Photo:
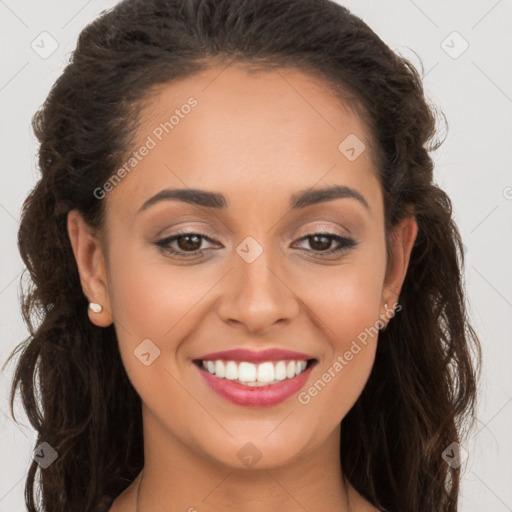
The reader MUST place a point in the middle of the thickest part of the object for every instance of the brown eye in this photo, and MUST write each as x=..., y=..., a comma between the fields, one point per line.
x=321, y=243
x=189, y=242
x=184, y=244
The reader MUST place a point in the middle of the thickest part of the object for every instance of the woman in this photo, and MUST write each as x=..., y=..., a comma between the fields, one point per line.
x=248, y=286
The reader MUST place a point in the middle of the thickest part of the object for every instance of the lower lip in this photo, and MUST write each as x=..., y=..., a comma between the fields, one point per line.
x=256, y=396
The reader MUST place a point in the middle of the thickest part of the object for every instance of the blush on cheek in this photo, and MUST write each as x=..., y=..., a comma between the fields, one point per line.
x=347, y=310
x=150, y=301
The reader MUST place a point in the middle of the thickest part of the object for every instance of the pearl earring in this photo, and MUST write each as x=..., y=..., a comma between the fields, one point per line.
x=95, y=308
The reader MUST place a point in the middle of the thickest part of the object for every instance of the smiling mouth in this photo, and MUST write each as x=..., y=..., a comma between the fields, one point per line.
x=255, y=375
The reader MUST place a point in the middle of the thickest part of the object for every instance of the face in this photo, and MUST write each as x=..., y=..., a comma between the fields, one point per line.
x=268, y=262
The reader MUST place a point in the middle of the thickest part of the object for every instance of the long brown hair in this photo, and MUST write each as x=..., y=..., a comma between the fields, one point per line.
x=420, y=396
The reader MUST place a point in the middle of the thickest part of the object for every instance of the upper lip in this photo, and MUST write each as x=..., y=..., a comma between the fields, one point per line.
x=256, y=356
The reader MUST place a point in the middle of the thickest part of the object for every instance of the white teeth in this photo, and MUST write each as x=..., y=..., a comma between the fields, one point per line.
x=247, y=372
x=219, y=369
x=255, y=374
x=280, y=371
x=290, y=369
x=265, y=372
x=231, y=370
x=299, y=368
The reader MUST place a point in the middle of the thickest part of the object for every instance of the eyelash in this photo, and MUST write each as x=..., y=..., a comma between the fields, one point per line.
x=344, y=243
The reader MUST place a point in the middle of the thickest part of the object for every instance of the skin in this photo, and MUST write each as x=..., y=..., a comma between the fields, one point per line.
x=258, y=139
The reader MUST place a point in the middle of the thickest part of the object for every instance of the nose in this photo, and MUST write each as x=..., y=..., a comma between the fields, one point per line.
x=257, y=295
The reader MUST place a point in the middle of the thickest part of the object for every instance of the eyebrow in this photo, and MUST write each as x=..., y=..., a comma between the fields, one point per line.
x=216, y=200
x=310, y=197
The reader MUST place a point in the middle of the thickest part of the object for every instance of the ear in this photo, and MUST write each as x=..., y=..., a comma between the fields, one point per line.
x=90, y=261
x=401, y=244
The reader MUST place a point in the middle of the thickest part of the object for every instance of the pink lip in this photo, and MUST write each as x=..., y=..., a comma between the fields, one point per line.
x=252, y=356
x=256, y=396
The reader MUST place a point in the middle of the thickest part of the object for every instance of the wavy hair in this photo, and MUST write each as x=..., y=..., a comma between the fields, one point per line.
x=420, y=396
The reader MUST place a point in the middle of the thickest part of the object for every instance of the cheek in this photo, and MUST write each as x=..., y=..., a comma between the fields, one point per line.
x=150, y=298
x=164, y=303
x=347, y=298
x=346, y=303
x=160, y=303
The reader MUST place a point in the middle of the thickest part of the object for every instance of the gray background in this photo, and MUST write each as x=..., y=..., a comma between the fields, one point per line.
x=473, y=88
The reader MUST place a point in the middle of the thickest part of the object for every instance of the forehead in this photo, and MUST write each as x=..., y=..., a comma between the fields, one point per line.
x=225, y=128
